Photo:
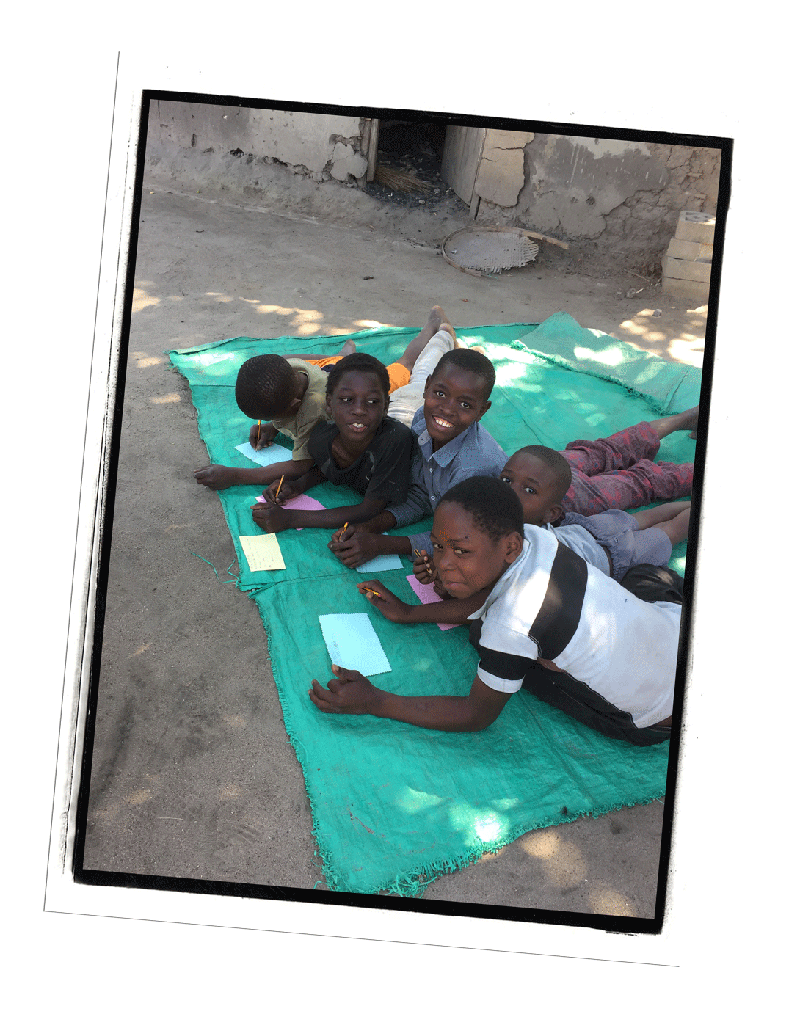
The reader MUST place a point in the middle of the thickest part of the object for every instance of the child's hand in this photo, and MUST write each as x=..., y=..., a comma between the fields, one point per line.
x=268, y=435
x=353, y=547
x=438, y=589
x=289, y=490
x=423, y=567
x=271, y=518
x=215, y=477
x=349, y=692
x=390, y=607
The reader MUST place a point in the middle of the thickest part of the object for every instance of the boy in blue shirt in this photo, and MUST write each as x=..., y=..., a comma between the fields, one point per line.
x=451, y=446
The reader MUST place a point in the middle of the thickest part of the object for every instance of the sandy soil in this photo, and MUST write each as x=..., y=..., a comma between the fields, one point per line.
x=193, y=774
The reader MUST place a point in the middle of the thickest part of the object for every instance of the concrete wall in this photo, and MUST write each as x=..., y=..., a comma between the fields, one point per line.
x=613, y=199
x=625, y=195
x=323, y=147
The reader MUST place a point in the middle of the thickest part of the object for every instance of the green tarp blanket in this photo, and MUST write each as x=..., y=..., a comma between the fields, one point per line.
x=393, y=805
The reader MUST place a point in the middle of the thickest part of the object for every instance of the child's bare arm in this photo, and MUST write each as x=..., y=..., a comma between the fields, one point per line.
x=262, y=435
x=292, y=488
x=354, y=547
x=384, y=521
x=660, y=514
x=445, y=612
x=351, y=693
x=218, y=478
x=272, y=518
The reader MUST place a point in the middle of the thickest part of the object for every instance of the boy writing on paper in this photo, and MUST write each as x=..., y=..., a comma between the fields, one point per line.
x=601, y=651
x=290, y=392
x=611, y=541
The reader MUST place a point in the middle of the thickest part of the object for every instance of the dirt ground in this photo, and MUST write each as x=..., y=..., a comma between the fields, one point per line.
x=192, y=772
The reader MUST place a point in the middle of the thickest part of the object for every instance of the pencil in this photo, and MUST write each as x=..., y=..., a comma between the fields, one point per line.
x=374, y=593
x=279, y=488
x=422, y=554
x=258, y=436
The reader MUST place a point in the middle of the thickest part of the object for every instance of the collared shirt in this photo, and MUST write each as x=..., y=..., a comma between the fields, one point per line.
x=625, y=649
x=472, y=453
x=583, y=543
x=311, y=410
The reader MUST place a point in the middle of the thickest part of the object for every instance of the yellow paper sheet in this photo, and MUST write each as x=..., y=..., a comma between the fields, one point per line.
x=263, y=553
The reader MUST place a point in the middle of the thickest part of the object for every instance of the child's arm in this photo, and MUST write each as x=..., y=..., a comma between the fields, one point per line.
x=272, y=518
x=445, y=612
x=292, y=488
x=660, y=514
x=351, y=693
x=354, y=547
x=262, y=435
x=218, y=478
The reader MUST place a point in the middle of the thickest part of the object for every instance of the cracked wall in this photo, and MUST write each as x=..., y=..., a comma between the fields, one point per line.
x=621, y=198
x=322, y=147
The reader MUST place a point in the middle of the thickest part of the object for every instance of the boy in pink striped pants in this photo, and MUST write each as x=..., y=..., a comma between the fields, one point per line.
x=619, y=472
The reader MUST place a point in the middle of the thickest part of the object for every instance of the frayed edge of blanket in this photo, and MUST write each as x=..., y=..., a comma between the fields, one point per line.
x=659, y=406
x=414, y=884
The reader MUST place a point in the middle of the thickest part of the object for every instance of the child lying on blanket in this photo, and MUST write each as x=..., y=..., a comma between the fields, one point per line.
x=619, y=473
x=452, y=445
x=362, y=448
x=612, y=541
x=291, y=392
x=551, y=624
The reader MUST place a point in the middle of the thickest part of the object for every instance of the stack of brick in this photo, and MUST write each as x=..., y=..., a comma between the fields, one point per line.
x=687, y=264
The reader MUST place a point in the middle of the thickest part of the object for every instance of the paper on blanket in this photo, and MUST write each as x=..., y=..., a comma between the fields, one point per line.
x=381, y=563
x=303, y=502
x=263, y=552
x=353, y=643
x=427, y=595
x=265, y=456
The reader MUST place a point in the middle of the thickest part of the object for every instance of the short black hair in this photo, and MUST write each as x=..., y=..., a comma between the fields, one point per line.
x=472, y=361
x=493, y=505
x=557, y=463
x=362, y=362
x=264, y=386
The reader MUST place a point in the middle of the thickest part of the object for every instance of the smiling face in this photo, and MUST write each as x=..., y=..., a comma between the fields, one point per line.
x=536, y=485
x=357, y=405
x=454, y=399
x=466, y=557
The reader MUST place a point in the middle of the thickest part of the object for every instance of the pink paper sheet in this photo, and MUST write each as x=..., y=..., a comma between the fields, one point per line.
x=304, y=502
x=427, y=595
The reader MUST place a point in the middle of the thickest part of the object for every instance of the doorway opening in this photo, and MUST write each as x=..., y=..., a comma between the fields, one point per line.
x=405, y=159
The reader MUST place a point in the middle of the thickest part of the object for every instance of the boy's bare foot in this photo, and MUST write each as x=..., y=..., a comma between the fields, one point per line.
x=437, y=320
x=686, y=421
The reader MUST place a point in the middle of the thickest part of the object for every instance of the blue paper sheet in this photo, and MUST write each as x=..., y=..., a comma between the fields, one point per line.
x=353, y=643
x=265, y=456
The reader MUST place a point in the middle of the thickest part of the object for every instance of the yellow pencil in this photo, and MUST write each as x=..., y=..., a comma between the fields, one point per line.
x=422, y=554
x=373, y=592
x=258, y=436
x=280, y=482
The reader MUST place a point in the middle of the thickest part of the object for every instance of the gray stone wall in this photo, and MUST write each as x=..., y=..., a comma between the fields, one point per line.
x=321, y=147
x=621, y=198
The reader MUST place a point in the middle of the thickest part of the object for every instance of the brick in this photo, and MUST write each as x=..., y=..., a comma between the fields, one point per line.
x=685, y=288
x=687, y=250
x=696, y=227
x=698, y=271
